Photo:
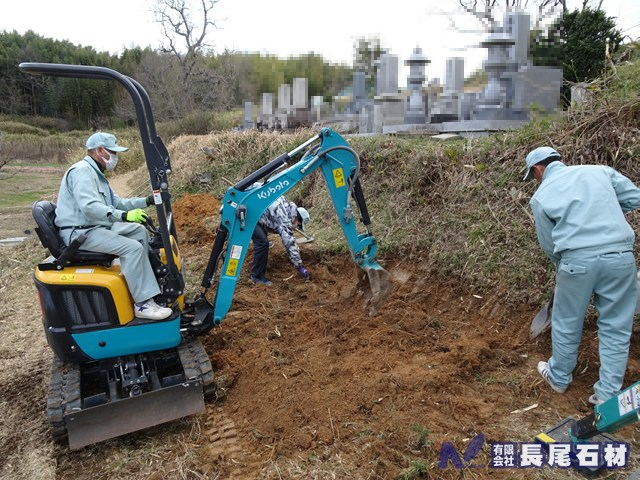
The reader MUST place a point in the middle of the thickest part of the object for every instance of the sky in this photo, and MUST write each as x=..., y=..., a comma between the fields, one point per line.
x=288, y=27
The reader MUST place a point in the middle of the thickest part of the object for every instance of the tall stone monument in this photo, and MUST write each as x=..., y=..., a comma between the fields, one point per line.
x=493, y=102
x=266, y=118
x=416, y=112
x=300, y=93
x=284, y=105
x=447, y=107
x=387, y=98
x=359, y=93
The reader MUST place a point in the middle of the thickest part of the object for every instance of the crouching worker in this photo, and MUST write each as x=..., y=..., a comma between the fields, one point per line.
x=282, y=217
x=113, y=225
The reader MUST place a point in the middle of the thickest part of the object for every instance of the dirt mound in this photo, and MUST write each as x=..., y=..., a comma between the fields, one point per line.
x=196, y=217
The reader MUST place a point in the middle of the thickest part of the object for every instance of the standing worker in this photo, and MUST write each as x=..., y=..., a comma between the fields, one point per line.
x=282, y=217
x=113, y=225
x=580, y=224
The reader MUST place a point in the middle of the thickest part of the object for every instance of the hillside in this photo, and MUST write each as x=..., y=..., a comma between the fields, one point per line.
x=310, y=386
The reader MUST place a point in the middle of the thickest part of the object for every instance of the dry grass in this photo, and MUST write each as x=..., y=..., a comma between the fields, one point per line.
x=27, y=452
x=459, y=208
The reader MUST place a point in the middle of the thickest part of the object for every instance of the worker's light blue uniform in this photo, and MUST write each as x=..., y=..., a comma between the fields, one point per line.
x=86, y=204
x=580, y=223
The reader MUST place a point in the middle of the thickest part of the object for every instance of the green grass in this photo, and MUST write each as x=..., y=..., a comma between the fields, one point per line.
x=18, y=191
x=24, y=188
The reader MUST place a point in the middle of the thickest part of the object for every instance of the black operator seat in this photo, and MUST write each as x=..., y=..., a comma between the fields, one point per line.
x=44, y=213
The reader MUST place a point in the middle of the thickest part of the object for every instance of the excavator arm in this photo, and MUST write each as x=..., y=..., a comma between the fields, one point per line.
x=244, y=203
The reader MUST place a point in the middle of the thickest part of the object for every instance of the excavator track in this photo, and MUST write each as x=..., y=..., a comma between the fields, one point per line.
x=196, y=364
x=181, y=379
x=64, y=396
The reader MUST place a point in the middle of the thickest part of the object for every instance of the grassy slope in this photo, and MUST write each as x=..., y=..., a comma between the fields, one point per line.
x=458, y=207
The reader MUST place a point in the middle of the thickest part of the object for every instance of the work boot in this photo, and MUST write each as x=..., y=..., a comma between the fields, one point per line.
x=150, y=310
x=594, y=400
x=543, y=370
x=261, y=281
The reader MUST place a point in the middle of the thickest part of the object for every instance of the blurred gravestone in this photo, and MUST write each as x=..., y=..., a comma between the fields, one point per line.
x=416, y=113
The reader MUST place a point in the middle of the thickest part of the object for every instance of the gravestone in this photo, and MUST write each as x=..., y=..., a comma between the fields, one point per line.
x=300, y=93
x=284, y=106
x=494, y=99
x=387, y=77
x=391, y=104
x=266, y=118
x=317, y=104
x=416, y=112
x=284, y=98
x=359, y=94
x=580, y=94
x=248, y=124
x=517, y=25
x=535, y=87
x=447, y=107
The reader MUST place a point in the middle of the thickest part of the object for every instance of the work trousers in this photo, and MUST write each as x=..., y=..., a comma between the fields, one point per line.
x=260, y=252
x=130, y=242
x=611, y=278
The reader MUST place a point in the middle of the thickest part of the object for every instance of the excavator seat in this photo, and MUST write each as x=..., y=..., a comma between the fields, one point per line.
x=44, y=213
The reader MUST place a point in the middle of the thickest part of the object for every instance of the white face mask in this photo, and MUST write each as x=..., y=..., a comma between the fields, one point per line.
x=111, y=163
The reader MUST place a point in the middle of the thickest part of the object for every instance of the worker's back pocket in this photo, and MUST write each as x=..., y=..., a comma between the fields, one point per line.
x=572, y=268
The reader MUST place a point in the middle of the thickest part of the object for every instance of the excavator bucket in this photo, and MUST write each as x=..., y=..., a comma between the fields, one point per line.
x=376, y=286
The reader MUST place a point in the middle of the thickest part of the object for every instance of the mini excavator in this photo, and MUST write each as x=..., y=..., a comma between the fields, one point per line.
x=607, y=417
x=113, y=373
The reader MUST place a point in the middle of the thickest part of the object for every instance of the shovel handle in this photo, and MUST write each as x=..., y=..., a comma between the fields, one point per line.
x=303, y=234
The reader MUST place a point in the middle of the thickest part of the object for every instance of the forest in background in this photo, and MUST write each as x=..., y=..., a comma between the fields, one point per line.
x=236, y=77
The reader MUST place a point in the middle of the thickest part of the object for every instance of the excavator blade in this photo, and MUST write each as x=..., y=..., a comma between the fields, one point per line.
x=111, y=420
x=376, y=286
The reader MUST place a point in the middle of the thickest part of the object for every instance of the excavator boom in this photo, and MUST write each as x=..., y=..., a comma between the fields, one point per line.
x=244, y=203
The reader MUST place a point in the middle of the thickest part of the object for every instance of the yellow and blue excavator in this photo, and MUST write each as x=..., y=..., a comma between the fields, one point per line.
x=113, y=373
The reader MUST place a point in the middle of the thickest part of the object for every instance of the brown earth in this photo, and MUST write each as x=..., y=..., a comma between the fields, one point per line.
x=310, y=386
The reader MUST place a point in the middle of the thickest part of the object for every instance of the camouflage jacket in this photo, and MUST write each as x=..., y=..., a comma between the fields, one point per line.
x=278, y=219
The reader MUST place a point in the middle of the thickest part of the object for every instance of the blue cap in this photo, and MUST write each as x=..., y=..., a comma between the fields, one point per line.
x=536, y=156
x=105, y=140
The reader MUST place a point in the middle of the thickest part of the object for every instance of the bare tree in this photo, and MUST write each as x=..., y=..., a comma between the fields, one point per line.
x=486, y=10
x=185, y=25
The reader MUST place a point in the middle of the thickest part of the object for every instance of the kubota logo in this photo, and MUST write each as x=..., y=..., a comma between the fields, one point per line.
x=274, y=189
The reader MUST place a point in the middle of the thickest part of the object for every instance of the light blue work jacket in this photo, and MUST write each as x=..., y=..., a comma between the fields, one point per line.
x=579, y=210
x=86, y=199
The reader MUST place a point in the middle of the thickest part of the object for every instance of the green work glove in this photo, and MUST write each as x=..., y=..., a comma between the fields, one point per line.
x=136, y=215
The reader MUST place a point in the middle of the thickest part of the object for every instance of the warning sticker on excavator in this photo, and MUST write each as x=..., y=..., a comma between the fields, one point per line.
x=232, y=268
x=629, y=400
x=67, y=278
x=338, y=177
x=236, y=251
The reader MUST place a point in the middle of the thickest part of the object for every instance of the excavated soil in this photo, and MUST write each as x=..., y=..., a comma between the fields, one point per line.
x=311, y=386
x=304, y=367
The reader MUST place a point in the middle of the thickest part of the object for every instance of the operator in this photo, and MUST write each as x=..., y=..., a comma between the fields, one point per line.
x=113, y=225
x=580, y=224
x=282, y=217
